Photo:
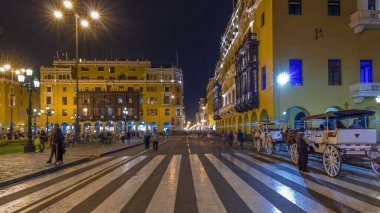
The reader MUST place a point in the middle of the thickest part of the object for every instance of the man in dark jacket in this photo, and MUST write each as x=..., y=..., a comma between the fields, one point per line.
x=239, y=138
x=147, y=140
x=302, y=148
x=58, y=139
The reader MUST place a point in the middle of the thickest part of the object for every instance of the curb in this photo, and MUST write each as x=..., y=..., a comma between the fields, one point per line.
x=54, y=169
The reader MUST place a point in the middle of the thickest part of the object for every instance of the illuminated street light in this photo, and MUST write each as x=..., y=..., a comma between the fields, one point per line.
x=68, y=4
x=94, y=15
x=378, y=99
x=58, y=14
x=283, y=79
x=7, y=67
x=84, y=23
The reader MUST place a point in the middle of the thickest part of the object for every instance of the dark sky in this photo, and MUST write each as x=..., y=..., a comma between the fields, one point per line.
x=153, y=29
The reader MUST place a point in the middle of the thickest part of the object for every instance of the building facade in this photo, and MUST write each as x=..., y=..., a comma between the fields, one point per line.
x=113, y=95
x=14, y=104
x=326, y=49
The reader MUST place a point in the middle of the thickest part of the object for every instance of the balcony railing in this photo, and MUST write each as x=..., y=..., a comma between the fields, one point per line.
x=360, y=91
x=227, y=110
x=365, y=19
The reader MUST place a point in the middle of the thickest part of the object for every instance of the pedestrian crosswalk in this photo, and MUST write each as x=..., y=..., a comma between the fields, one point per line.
x=222, y=182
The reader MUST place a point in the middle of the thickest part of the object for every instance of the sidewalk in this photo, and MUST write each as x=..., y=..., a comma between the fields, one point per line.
x=18, y=165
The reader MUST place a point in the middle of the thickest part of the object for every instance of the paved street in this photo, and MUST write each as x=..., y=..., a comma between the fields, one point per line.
x=190, y=175
x=20, y=164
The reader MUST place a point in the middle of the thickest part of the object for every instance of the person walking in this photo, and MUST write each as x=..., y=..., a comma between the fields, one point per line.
x=231, y=138
x=302, y=148
x=239, y=138
x=155, y=140
x=37, y=141
x=58, y=139
x=122, y=136
x=129, y=136
x=147, y=140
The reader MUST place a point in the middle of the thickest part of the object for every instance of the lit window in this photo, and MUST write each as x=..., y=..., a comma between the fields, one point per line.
x=111, y=70
x=167, y=112
x=85, y=111
x=295, y=71
x=366, y=71
x=263, y=78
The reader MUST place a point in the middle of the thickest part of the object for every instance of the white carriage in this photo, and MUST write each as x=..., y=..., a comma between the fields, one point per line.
x=357, y=142
x=269, y=136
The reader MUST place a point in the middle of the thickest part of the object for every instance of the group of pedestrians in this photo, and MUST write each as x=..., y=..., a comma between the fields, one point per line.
x=155, y=137
x=56, y=141
x=230, y=137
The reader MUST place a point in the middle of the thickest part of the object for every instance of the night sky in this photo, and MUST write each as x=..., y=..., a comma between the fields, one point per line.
x=133, y=29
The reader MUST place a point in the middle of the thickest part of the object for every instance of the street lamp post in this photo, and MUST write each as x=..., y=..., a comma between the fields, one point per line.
x=30, y=83
x=35, y=115
x=125, y=112
x=49, y=112
x=85, y=24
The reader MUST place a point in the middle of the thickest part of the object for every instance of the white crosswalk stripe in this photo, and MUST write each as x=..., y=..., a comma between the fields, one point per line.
x=300, y=200
x=356, y=188
x=117, y=201
x=252, y=199
x=207, y=194
x=35, y=182
x=168, y=187
x=74, y=199
x=31, y=198
x=207, y=198
x=338, y=196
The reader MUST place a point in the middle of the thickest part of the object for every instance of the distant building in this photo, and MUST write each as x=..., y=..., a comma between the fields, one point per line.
x=153, y=97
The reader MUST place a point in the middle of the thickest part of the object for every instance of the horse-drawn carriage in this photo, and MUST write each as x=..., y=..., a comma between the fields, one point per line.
x=329, y=135
x=269, y=136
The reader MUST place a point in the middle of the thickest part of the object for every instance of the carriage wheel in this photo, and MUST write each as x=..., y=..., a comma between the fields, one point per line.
x=332, y=161
x=258, y=144
x=374, y=165
x=277, y=146
x=269, y=146
x=294, y=153
x=375, y=168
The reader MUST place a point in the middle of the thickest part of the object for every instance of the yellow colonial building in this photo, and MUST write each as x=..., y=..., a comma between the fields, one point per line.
x=326, y=50
x=14, y=104
x=113, y=95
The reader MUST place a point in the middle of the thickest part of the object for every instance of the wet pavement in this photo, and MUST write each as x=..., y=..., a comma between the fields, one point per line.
x=21, y=164
x=194, y=175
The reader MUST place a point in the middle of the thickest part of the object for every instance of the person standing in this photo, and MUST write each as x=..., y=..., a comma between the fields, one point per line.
x=128, y=136
x=53, y=150
x=302, y=148
x=44, y=139
x=122, y=136
x=155, y=140
x=58, y=139
x=231, y=138
x=239, y=138
x=147, y=140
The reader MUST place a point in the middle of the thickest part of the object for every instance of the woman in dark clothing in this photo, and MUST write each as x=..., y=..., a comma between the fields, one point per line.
x=58, y=141
x=302, y=148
